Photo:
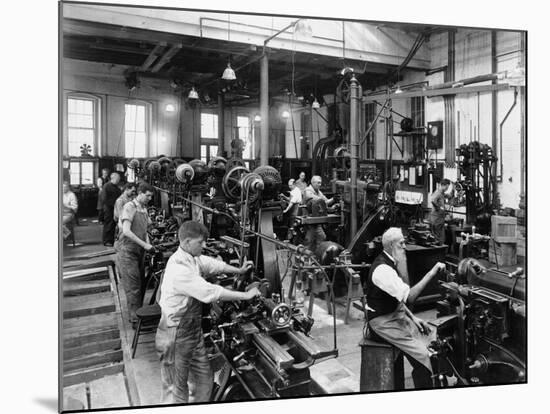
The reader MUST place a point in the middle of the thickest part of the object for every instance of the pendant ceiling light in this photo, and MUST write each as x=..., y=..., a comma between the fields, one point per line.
x=229, y=73
x=315, y=104
x=193, y=94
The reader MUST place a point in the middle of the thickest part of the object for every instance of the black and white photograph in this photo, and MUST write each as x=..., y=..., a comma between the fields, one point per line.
x=271, y=206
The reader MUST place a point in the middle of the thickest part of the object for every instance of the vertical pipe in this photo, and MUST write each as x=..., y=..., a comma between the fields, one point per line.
x=221, y=124
x=523, y=63
x=354, y=139
x=264, y=109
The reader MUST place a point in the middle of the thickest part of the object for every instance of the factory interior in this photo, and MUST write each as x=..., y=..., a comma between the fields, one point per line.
x=333, y=206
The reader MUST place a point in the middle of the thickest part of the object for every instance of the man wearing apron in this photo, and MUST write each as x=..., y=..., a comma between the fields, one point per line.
x=131, y=247
x=179, y=339
x=437, y=214
x=388, y=294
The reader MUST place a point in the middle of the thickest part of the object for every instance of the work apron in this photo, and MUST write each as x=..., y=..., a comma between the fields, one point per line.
x=398, y=329
x=186, y=373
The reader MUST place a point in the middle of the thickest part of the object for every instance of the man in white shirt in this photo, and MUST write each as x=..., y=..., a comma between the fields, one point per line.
x=179, y=340
x=388, y=293
x=70, y=207
x=312, y=196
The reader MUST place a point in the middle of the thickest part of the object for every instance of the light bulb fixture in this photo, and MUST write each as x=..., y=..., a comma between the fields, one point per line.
x=398, y=90
x=229, y=73
x=302, y=29
x=257, y=118
x=193, y=94
x=315, y=104
x=170, y=108
x=285, y=114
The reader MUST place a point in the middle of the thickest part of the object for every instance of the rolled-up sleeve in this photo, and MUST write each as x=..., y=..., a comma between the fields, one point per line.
x=210, y=266
x=389, y=281
x=198, y=288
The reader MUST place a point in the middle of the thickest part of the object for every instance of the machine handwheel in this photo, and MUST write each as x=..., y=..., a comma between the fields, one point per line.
x=231, y=182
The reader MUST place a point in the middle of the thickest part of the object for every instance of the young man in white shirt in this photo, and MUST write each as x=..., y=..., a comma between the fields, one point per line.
x=293, y=204
x=70, y=207
x=388, y=293
x=179, y=339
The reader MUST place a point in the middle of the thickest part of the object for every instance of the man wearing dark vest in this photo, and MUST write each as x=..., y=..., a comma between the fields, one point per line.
x=388, y=294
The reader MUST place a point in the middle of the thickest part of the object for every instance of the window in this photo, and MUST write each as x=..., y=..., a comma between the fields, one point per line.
x=417, y=115
x=81, y=173
x=368, y=146
x=417, y=111
x=135, y=130
x=209, y=136
x=81, y=125
x=246, y=135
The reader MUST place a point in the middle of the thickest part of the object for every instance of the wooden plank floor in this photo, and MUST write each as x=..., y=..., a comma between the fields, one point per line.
x=93, y=349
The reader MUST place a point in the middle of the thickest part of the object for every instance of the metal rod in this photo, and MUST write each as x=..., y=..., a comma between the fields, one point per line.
x=500, y=126
x=264, y=109
x=354, y=132
x=221, y=124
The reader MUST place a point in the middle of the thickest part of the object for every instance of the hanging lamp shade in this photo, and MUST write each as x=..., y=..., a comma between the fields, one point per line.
x=315, y=104
x=193, y=93
x=229, y=73
x=302, y=29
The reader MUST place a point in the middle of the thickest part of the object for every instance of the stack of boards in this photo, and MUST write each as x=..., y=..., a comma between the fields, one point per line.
x=96, y=368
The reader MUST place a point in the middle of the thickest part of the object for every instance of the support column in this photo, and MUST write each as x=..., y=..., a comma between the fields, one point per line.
x=264, y=109
x=354, y=144
x=221, y=124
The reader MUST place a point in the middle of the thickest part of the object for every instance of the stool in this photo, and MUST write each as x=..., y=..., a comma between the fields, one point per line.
x=148, y=317
x=382, y=367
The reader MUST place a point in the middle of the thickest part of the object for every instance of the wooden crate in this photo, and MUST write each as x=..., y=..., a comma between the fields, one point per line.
x=504, y=229
x=506, y=253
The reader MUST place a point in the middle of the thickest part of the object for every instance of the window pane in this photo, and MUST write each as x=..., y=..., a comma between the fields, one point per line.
x=74, y=170
x=209, y=125
x=135, y=131
x=79, y=137
x=72, y=105
x=213, y=150
x=203, y=152
x=87, y=173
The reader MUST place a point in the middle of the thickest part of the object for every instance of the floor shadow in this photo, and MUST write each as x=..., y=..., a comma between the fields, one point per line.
x=49, y=403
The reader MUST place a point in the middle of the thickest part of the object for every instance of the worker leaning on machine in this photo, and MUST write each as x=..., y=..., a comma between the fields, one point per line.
x=179, y=339
x=437, y=214
x=312, y=195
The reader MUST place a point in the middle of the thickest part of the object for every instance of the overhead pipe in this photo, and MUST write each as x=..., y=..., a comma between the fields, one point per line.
x=355, y=100
x=467, y=81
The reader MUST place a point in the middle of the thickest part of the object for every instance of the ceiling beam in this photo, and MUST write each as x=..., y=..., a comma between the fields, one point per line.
x=166, y=57
x=152, y=56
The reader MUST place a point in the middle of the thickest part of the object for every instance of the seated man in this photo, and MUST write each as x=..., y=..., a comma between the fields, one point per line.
x=179, y=340
x=312, y=196
x=388, y=294
x=70, y=207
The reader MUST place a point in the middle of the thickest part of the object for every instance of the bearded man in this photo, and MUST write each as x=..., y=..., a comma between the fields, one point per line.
x=389, y=318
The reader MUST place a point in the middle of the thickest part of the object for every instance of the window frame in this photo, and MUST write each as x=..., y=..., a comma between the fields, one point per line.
x=96, y=104
x=148, y=126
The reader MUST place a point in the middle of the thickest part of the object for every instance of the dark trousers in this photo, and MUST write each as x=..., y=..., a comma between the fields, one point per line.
x=421, y=375
x=130, y=263
x=109, y=225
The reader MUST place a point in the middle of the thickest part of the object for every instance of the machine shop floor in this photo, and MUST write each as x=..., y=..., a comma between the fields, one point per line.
x=340, y=375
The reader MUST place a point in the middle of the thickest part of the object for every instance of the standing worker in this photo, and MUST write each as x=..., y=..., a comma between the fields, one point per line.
x=131, y=247
x=110, y=192
x=179, y=340
x=293, y=204
x=301, y=183
x=101, y=181
x=437, y=214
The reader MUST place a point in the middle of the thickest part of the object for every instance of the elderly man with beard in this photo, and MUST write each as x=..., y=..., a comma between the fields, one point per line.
x=388, y=294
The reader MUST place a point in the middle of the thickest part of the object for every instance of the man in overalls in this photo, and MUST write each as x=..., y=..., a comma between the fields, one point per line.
x=131, y=246
x=179, y=339
x=437, y=214
x=388, y=294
